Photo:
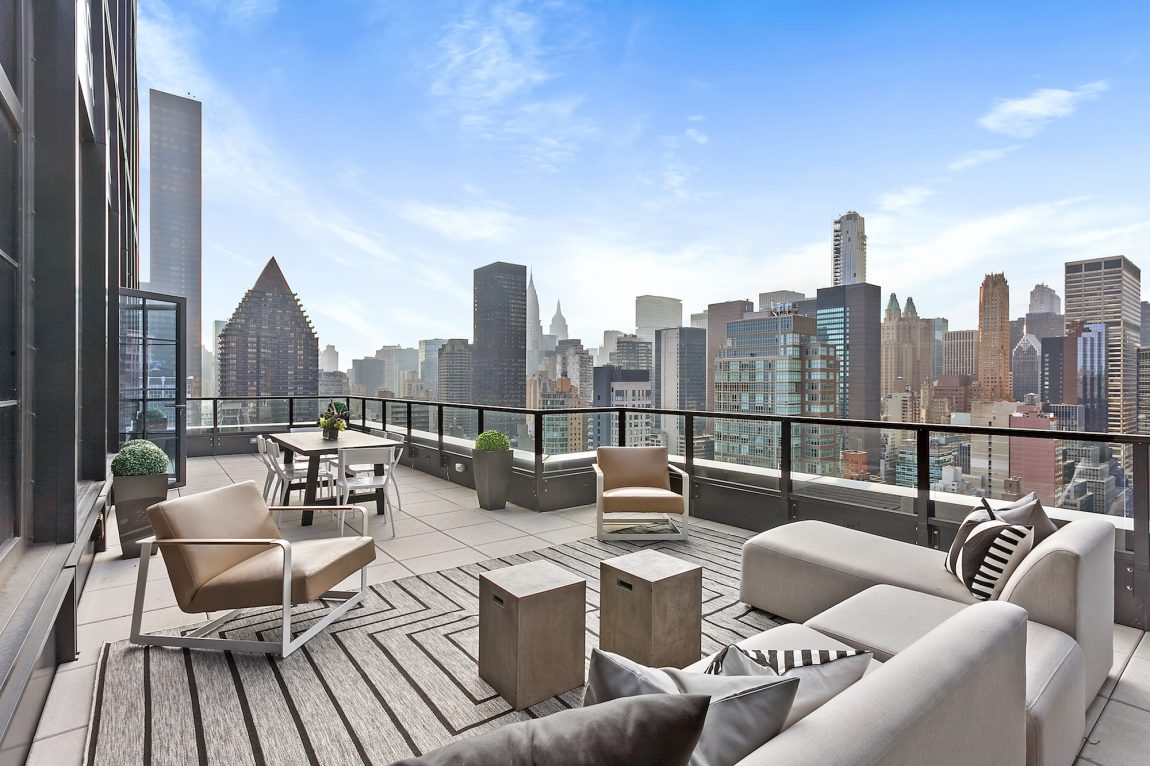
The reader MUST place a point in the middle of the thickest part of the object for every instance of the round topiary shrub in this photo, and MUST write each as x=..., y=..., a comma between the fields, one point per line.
x=139, y=457
x=492, y=441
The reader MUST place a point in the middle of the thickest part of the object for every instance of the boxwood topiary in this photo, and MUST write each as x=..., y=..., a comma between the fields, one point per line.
x=139, y=458
x=492, y=441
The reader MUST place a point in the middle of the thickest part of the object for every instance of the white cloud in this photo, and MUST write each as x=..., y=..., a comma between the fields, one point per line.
x=905, y=200
x=980, y=156
x=461, y=223
x=696, y=118
x=1027, y=116
x=489, y=70
x=698, y=136
x=242, y=13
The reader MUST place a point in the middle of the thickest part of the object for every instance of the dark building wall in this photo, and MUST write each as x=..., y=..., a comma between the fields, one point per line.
x=686, y=366
x=269, y=347
x=850, y=318
x=500, y=334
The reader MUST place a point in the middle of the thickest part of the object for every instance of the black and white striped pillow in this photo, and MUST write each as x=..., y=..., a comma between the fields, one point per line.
x=782, y=660
x=989, y=552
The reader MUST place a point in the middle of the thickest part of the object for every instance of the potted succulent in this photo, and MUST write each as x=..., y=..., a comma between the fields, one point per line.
x=139, y=481
x=492, y=464
x=333, y=420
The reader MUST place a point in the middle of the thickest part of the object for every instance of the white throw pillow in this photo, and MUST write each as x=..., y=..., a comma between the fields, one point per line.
x=822, y=673
x=745, y=711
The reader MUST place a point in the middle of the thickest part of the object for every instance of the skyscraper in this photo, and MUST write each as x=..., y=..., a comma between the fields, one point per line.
x=1108, y=290
x=960, y=352
x=1145, y=334
x=500, y=331
x=269, y=347
x=906, y=349
x=849, y=318
x=1026, y=368
x=849, y=249
x=654, y=312
x=329, y=359
x=559, y=324
x=456, y=370
x=718, y=314
x=680, y=381
x=994, y=338
x=774, y=363
x=534, y=327
x=631, y=353
x=175, y=213
x=1044, y=300
x=617, y=387
x=429, y=364
x=699, y=319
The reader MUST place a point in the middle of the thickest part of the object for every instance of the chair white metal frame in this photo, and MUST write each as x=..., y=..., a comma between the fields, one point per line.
x=286, y=475
x=351, y=475
x=198, y=639
x=640, y=518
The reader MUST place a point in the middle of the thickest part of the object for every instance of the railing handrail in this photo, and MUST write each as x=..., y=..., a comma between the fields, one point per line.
x=941, y=428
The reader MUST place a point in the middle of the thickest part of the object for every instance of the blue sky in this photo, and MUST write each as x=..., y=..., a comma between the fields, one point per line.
x=382, y=150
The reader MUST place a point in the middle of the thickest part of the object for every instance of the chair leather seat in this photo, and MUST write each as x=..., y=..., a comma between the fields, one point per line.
x=317, y=567
x=641, y=500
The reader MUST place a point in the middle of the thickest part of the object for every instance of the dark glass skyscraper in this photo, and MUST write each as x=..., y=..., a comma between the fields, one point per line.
x=269, y=347
x=175, y=196
x=500, y=334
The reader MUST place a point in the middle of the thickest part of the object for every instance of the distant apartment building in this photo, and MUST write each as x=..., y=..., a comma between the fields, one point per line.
x=990, y=455
x=455, y=384
x=1144, y=391
x=956, y=390
x=633, y=353
x=780, y=300
x=1108, y=290
x=1036, y=463
x=774, y=362
x=960, y=352
x=1044, y=300
x=994, y=338
x=699, y=320
x=654, y=312
x=616, y=386
x=718, y=314
x=680, y=381
x=334, y=383
x=329, y=359
x=500, y=334
x=849, y=244
x=176, y=213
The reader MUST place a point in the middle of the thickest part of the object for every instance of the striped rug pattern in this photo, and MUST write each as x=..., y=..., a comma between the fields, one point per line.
x=397, y=676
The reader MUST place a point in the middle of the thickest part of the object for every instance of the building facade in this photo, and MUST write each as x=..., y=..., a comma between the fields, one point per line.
x=329, y=359
x=500, y=334
x=1044, y=300
x=906, y=349
x=994, y=338
x=680, y=381
x=654, y=312
x=1108, y=290
x=960, y=352
x=175, y=213
x=428, y=358
x=534, y=328
x=718, y=314
x=849, y=243
x=268, y=347
x=1026, y=368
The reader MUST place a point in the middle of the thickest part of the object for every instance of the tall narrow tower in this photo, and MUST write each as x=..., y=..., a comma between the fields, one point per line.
x=500, y=331
x=850, y=249
x=994, y=338
x=534, y=327
x=176, y=199
x=559, y=324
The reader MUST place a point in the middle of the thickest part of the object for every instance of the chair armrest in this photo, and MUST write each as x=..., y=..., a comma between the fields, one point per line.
x=678, y=470
x=598, y=470
x=362, y=510
x=285, y=544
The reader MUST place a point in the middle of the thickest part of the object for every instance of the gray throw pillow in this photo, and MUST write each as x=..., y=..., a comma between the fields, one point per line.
x=1028, y=511
x=652, y=730
x=822, y=673
x=745, y=711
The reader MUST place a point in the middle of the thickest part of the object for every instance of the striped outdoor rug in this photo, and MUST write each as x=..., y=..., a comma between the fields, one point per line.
x=397, y=676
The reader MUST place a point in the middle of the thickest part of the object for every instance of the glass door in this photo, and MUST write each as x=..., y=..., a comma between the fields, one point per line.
x=153, y=386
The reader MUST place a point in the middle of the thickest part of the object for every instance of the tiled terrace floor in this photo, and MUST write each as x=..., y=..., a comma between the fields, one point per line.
x=441, y=526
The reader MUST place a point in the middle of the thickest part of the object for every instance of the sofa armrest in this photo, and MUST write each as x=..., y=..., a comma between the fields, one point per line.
x=1067, y=583
x=955, y=697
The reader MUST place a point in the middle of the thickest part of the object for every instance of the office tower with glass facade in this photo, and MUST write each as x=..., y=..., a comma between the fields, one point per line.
x=1026, y=368
x=775, y=363
x=500, y=334
x=718, y=314
x=849, y=243
x=679, y=381
x=1108, y=290
x=175, y=195
x=994, y=338
x=429, y=364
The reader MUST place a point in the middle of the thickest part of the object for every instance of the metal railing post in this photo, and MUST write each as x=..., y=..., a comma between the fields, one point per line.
x=215, y=424
x=1142, y=529
x=622, y=427
x=923, y=530
x=363, y=413
x=291, y=412
x=537, y=417
x=689, y=458
x=785, y=468
x=439, y=433
x=479, y=421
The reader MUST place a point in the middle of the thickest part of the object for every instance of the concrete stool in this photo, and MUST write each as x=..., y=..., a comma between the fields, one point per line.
x=651, y=609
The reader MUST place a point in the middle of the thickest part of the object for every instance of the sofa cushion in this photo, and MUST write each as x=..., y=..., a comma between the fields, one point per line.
x=888, y=620
x=744, y=712
x=800, y=569
x=989, y=553
x=822, y=673
x=654, y=729
x=641, y=500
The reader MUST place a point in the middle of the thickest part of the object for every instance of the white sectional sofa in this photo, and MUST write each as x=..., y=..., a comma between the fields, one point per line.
x=870, y=592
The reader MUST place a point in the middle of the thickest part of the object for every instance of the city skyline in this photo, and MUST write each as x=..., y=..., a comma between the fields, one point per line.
x=595, y=140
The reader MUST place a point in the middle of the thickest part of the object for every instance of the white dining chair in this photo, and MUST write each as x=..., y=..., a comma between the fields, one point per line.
x=285, y=475
x=349, y=480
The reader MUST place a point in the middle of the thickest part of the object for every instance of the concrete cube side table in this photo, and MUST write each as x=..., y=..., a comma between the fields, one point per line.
x=651, y=609
x=532, y=631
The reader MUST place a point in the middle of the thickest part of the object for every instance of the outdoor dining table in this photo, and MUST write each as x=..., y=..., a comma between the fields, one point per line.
x=312, y=445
